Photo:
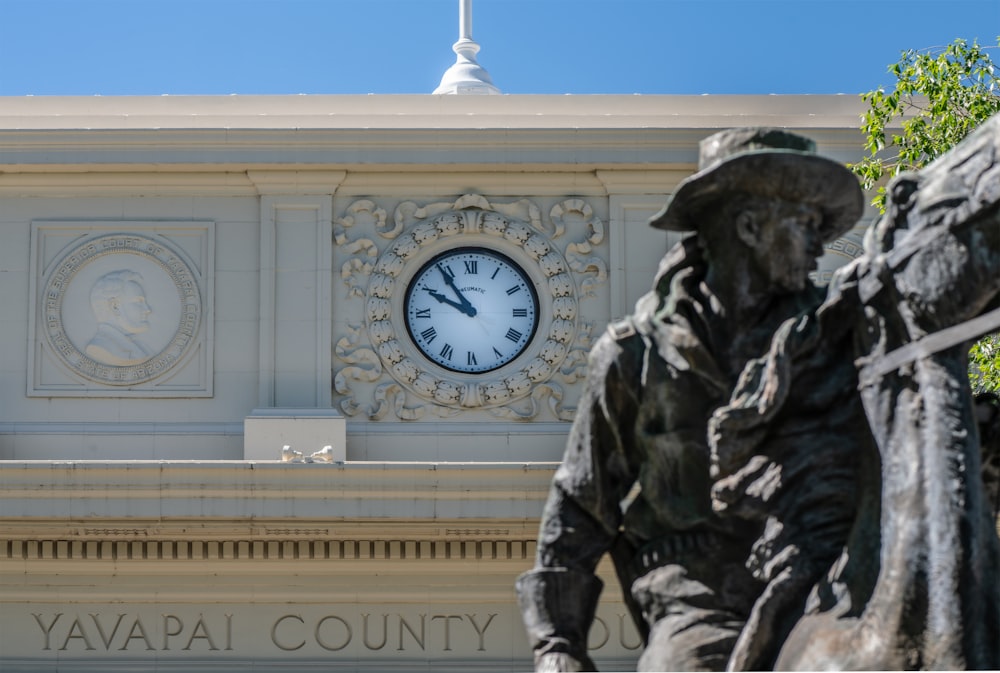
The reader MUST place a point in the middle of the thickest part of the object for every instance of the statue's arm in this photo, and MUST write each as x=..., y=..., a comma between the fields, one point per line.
x=580, y=521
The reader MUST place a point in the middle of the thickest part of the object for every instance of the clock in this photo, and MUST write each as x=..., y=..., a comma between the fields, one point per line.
x=471, y=310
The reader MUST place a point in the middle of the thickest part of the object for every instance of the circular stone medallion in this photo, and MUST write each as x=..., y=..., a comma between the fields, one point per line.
x=121, y=309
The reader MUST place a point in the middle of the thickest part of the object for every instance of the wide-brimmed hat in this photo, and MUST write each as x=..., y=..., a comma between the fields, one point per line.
x=765, y=162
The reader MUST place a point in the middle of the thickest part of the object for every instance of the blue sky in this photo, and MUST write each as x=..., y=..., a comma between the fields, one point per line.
x=125, y=47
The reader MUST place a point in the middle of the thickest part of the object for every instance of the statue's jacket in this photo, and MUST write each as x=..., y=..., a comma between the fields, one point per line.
x=635, y=481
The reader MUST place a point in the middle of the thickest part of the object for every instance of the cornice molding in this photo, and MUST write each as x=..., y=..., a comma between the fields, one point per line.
x=33, y=492
x=121, y=545
x=126, y=183
x=502, y=149
x=429, y=181
x=163, y=113
x=145, y=511
x=500, y=180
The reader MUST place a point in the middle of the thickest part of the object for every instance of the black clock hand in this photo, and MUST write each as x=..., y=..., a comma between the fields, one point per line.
x=469, y=309
x=466, y=308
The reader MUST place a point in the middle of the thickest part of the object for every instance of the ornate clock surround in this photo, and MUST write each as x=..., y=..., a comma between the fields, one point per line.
x=379, y=350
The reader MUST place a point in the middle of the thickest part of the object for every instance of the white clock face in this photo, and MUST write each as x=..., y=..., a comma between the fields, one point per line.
x=471, y=310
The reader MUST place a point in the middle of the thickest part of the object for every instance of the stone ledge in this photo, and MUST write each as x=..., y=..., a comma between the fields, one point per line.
x=151, y=492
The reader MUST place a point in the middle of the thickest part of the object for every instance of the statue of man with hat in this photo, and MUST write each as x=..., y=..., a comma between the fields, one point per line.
x=635, y=479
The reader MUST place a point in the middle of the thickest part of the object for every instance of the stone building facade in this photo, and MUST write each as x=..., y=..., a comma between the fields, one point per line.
x=243, y=420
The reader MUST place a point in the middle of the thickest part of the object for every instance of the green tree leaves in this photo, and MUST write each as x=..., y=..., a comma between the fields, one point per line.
x=940, y=96
x=984, y=365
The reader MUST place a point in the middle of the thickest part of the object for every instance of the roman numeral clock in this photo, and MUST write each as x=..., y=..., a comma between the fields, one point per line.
x=471, y=309
x=471, y=305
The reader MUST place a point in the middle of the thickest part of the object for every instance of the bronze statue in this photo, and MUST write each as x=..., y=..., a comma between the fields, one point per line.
x=634, y=481
x=785, y=479
x=917, y=584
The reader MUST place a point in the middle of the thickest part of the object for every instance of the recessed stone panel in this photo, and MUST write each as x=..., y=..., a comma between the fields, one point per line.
x=122, y=309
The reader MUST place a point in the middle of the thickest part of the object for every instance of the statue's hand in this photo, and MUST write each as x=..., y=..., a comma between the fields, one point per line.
x=558, y=662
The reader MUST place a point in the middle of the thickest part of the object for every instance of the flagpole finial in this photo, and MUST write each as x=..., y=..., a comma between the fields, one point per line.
x=466, y=76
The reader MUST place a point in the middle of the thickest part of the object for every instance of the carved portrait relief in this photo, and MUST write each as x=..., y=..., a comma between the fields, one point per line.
x=119, y=305
x=121, y=310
